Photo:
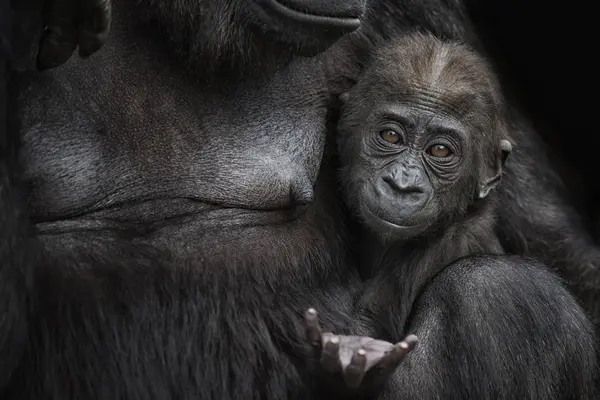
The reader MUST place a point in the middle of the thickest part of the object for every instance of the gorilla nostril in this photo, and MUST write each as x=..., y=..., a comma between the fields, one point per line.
x=390, y=181
x=401, y=187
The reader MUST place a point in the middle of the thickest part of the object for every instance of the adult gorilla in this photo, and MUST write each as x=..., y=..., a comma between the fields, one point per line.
x=183, y=222
x=210, y=244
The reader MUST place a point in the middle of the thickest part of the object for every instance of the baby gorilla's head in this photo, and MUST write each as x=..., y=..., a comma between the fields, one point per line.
x=422, y=136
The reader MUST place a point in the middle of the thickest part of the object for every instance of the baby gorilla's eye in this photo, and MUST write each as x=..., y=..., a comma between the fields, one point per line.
x=439, y=151
x=390, y=136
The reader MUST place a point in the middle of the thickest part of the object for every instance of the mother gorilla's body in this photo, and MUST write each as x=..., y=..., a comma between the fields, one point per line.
x=175, y=208
x=183, y=211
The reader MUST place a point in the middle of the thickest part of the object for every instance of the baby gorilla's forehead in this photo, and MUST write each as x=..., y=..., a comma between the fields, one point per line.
x=424, y=69
x=428, y=100
x=427, y=59
x=441, y=100
x=459, y=97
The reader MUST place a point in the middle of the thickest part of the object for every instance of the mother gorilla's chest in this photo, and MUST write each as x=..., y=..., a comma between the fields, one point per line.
x=129, y=126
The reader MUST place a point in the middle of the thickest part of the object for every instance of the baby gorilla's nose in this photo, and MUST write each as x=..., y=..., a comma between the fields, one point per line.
x=401, y=187
x=401, y=194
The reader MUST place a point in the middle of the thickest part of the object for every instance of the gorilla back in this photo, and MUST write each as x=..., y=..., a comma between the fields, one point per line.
x=180, y=232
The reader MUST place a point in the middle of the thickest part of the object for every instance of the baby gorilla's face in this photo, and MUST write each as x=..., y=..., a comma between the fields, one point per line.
x=420, y=136
x=409, y=167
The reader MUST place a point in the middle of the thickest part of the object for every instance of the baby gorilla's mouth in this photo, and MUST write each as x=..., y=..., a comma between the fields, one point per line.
x=388, y=220
x=343, y=18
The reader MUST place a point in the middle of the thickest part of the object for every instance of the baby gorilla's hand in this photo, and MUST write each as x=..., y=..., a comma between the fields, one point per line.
x=361, y=362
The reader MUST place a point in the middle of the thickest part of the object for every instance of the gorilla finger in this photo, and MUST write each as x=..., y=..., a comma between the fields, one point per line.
x=94, y=27
x=330, y=357
x=60, y=38
x=56, y=48
x=397, y=353
x=27, y=29
x=356, y=370
x=410, y=341
x=313, y=328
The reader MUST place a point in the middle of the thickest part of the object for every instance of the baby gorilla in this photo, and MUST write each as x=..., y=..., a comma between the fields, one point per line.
x=423, y=140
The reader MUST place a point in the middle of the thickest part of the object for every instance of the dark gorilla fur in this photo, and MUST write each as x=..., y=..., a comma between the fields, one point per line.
x=182, y=229
x=185, y=215
x=422, y=139
x=15, y=264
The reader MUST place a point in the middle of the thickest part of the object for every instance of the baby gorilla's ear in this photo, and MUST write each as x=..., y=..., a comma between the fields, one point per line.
x=504, y=149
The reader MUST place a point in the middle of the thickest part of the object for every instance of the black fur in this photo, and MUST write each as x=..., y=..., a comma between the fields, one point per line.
x=172, y=205
x=482, y=321
x=189, y=289
x=17, y=252
x=465, y=350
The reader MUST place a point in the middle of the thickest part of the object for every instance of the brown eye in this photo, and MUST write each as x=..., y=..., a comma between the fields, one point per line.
x=439, y=151
x=390, y=136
